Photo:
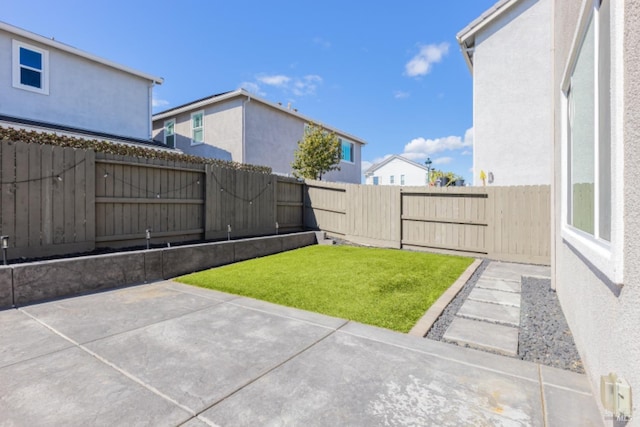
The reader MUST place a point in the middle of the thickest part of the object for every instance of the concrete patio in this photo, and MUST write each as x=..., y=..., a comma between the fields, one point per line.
x=171, y=354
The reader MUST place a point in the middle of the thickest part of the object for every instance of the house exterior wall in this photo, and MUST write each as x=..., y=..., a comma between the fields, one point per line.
x=244, y=130
x=413, y=175
x=512, y=102
x=272, y=138
x=82, y=94
x=603, y=312
x=222, y=131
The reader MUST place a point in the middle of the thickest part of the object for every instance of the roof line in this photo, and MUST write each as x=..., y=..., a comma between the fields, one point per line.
x=466, y=36
x=70, y=49
x=202, y=102
x=389, y=159
x=70, y=129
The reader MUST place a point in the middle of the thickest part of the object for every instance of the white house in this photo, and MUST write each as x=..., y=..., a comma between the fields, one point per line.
x=508, y=50
x=397, y=170
x=244, y=128
x=48, y=85
x=594, y=116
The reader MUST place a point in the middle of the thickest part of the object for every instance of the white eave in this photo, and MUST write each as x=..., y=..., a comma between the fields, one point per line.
x=378, y=165
x=72, y=50
x=198, y=105
x=467, y=36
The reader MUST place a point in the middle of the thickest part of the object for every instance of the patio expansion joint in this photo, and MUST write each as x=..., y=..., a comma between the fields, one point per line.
x=113, y=366
x=450, y=359
x=542, y=400
x=268, y=371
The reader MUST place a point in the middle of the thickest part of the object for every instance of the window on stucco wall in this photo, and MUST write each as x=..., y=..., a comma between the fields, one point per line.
x=197, y=128
x=592, y=148
x=30, y=68
x=589, y=145
x=346, y=151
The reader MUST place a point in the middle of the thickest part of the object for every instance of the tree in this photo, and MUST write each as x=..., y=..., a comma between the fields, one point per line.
x=317, y=153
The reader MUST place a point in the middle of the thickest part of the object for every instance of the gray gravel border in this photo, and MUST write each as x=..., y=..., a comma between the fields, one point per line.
x=544, y=337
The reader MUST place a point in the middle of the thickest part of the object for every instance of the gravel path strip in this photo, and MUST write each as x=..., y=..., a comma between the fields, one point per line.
x=544, y=336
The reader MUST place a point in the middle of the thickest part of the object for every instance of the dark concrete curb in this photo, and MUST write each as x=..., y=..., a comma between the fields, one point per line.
x=27, y=283
x=428, y=319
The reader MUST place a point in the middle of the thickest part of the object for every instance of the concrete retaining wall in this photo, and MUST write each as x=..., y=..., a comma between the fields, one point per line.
x=27, y=283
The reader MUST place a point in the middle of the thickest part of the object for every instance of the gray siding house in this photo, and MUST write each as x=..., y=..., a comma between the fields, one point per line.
x=508, y=50
x=47, y=85
x=241, y=127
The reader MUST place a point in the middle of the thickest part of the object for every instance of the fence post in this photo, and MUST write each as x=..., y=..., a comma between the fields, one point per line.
x=396, y=217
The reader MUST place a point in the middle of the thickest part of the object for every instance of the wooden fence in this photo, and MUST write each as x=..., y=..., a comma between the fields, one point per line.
x=56, y=200
x=504, y=223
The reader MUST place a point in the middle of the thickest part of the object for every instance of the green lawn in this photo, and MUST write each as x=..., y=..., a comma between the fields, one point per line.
x=382, y=287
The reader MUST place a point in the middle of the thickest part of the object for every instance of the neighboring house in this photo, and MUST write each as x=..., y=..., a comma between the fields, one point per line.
x=508, y=50
x=594, y=115
x=50, y=86
x=397, y=170
x=241, y=127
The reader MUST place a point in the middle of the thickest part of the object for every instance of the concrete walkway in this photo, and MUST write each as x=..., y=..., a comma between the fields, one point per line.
x=170, y=354
x=489, y=319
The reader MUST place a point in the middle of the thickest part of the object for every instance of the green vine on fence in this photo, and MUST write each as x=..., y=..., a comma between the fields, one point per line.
x=9, y=134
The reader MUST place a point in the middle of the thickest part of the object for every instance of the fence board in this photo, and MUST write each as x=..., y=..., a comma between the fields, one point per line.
x=499, y=222
x=34, y=208
x=112, y=200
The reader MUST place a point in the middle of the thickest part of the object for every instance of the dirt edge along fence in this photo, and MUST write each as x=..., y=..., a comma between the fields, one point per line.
x=502, y=223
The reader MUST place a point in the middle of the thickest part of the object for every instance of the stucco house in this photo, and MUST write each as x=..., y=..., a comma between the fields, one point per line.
x=50, y=86
x=244, y=128
x=594, y=116
x=508, y=51
x=397, y=170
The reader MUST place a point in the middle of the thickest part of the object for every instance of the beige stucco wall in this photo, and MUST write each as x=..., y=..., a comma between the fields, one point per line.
x=222, y=131
x=604, y=319
x=249, y=131
x=272, y=137
x=512, y=119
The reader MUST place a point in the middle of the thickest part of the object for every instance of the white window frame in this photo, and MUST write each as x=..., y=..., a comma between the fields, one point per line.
x=195, y=113
x=392, y=179
x=376, y=180
x=401, y=179
x=606, y=257
x=16, y=67
x=166, y=122
x=353, y=151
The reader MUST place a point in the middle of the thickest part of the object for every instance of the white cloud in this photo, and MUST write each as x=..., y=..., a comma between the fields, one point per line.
x=253, y=88
x=421, y=148
x=364, y=165
x=278, y=80
x=322, y=42
x=307, y=85
x=399, y=94
x=418, y=149
x=467, y=153
x=422, y=63
x=298, y=86
x=155, y=102
x=442, y=160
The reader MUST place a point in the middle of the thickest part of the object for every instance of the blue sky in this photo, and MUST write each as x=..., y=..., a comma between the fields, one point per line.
x=388, y=72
